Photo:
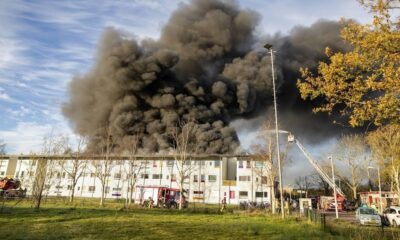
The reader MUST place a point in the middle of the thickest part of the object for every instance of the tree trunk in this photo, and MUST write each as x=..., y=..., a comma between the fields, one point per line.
x=131, y=195
x=273, y=203
x=180, y=195
x=71, y=197
x=102, y=195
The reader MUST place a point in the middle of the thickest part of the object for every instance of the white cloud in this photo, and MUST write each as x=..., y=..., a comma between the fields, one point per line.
x=20, y=112
x=27, y=137
x=4, y=96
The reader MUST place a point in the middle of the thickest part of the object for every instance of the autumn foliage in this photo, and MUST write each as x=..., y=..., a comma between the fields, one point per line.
x=364, y=83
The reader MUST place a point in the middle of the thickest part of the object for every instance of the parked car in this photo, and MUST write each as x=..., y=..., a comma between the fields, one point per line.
x=392, y=215
x=351, y=206
x=368, y=216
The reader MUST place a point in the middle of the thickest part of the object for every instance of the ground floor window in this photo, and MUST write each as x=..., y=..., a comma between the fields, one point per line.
x=243, y=194
x=261, y=194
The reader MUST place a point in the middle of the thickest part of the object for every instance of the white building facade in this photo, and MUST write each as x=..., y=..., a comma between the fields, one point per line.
x=207, y=179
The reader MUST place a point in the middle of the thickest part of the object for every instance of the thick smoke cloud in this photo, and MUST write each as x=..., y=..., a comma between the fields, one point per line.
x=202, y=69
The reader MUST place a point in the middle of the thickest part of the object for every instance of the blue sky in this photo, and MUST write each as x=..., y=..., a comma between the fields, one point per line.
x=43, y=44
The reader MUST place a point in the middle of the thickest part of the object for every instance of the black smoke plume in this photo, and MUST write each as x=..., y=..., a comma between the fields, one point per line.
x=202, y=69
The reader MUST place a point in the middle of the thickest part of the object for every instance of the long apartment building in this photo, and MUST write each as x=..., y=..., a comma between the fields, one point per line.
x=207, y=179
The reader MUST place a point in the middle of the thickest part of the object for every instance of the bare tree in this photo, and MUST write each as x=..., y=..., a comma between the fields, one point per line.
x=384, y=143
x=184, y=147
x=304, y=183
x=2, y=147
x=75, y=164
x=130, y=145
x=264, y=153
x=102, y=167
x=352, y=151
x=319, y=182
x=2, y=152
x=52, y=145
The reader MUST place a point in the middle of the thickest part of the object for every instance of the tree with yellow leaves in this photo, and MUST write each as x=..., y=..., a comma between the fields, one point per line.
x=363, y=84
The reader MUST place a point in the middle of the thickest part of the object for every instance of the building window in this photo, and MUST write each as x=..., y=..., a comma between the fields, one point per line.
x=248, y=164
x=117, y=175
x=203, y=178
x=22, y=174
x=212, y=178
x=170, y=163
x=240, y=164
x=243, y=194
x=195, y=178
x=198, y=192
x=187, y=163
x=261, y=194
x=157, y=176
x=69, y=187
x=154, y=163
x=107, y=190
x=244, y=178
x=173, y=177
x=92, y=188
x=117, y=189
x=144, y=176
x=92, y=175
x=264, y=180
x=63, y=175
x=59, y=187
x=259, y=164
x=217, y=163
x=2, y=173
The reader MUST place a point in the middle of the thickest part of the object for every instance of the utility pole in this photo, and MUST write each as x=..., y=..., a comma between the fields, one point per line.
x=334, y=188
x=269, y=48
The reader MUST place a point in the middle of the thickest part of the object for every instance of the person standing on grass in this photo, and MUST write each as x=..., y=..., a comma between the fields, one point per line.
x=223, y=207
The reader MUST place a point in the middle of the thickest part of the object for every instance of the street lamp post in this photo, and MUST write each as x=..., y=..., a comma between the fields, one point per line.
x=334, y=188
x=269, y=48
x=380, y=190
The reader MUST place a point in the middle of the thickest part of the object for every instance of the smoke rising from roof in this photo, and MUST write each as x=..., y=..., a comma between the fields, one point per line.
x=202, y=69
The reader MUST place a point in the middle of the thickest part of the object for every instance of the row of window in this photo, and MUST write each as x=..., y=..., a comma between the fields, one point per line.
x=264, y=179
x=170, y=163
x=211, y=178
x=248, y=164
x=242, y=194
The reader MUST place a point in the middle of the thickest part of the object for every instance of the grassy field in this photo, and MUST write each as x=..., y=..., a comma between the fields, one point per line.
x=85, y=220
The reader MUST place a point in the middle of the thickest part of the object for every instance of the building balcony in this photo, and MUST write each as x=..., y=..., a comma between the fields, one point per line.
x=229, y=183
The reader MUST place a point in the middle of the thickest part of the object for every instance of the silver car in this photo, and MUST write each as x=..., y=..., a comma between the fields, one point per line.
x=368, y=216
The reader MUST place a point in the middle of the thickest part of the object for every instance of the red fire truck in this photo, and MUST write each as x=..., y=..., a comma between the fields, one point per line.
x=160, y=196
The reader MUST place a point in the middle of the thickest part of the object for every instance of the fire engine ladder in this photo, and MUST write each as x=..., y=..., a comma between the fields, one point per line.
x=315, y=165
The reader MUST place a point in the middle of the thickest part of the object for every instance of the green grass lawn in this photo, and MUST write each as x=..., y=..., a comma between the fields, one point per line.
x=86, y=220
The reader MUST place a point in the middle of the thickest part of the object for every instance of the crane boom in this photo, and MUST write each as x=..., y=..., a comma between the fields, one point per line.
x=316, y=166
